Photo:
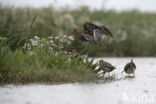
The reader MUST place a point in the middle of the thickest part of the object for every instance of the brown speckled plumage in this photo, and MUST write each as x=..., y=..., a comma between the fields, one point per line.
x=92, y=33
x=130, y=68
x=105, y=66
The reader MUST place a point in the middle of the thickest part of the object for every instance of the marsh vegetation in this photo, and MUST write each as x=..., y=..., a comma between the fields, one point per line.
x=31, y=51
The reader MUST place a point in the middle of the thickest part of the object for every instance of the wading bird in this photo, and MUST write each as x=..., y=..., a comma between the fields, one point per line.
x=105, y=66
x=130, y=68
x=102, y=30
x=92, y=33
x=84, y=37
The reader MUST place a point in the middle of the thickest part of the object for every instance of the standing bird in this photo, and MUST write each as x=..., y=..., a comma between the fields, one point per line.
x=130, y=68
x=105, y=66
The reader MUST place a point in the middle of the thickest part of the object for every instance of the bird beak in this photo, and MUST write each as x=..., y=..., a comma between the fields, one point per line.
x=67, y=37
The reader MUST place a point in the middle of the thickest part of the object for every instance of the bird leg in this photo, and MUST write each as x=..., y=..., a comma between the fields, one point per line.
x=104, y=73
x=97, y=70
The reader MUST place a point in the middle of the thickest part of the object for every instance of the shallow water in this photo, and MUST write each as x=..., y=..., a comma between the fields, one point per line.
x=118, y=5
x=140, y=89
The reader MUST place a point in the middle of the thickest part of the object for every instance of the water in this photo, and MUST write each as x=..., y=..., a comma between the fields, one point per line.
x=118, y=5
x=140, y=89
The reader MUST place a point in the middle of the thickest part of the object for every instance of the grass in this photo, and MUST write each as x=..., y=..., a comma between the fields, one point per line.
x=43, y=60
x=134, y=32
x=31, y=49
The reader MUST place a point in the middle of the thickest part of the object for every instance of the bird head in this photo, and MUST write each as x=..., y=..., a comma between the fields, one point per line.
x=132, y=64
x=75, y=31
x=131, y=60
x=101, y=62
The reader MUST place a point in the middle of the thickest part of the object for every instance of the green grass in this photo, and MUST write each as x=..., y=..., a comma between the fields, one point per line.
x=134, y=32
x=30, y=50
x=43, y=62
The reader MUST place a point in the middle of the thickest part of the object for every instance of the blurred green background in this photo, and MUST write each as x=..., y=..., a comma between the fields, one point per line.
x=134, y=32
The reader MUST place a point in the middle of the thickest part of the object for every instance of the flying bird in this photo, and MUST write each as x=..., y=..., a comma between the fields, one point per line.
x=97, y=32
x=92, y=33
x=84, y=37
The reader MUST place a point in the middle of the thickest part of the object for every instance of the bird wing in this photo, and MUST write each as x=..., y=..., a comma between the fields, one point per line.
x=110, y=65
x=89, y=27
x=127, y=66
x=88, y=37
x=97, y=35
x=107, y=65
x=106, y=31
x=134, y=65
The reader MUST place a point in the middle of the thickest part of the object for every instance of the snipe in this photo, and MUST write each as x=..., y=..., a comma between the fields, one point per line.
x=130, y=68
x=100, y=30
x=105, y=66
x=92, y=33
x=84, y=36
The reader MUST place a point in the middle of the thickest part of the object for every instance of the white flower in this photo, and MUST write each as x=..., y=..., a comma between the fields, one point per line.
x=50, y=37
x=27, y=45
x=33, y=42
x=54, y=45
x=65, y=52
x=50, y=48
x=36, y=37
x=85, y=56
x=56, y=54
x=31, y=53
x=51, y=41
x=57, y=37
x=61, y=40
x=60, y=47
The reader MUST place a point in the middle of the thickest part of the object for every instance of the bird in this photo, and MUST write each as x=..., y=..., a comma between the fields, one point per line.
x=130, y=68
x=97, y=32
x=84, y=37
x=75, y=54
x=105, y=66
x=92, y=33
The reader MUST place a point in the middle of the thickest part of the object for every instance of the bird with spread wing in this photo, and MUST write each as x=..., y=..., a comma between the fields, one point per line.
x=91, y=34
